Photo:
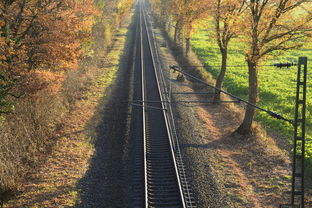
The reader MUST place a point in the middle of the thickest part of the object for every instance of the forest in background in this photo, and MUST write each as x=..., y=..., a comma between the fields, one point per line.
x=43, y=45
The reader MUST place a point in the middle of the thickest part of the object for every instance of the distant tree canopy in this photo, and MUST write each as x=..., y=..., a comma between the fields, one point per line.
x=263, y=26
x=186, y=14
x=47, y=35
x=40, y=35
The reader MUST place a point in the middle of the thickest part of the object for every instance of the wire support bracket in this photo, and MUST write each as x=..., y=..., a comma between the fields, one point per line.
x=203, y=101
x=193, y=93
x=148, y=106
x=189, y=101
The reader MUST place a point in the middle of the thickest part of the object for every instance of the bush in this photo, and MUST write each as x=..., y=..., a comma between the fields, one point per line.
x=77, y=82
x=180, y=77
x=25, y=137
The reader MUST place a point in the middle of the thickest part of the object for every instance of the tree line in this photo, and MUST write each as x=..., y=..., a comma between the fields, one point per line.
x=42, y=46
x=263, y=27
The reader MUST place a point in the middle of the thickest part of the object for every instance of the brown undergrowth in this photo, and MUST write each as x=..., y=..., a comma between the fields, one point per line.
x=54, y=184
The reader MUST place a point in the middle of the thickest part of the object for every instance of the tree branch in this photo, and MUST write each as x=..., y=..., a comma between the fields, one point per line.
x=298, y=3
x=281, y=45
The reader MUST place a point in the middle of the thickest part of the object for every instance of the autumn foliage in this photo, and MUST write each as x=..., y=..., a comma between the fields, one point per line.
x=41, y=35
x=42, y=44
x=264, y=27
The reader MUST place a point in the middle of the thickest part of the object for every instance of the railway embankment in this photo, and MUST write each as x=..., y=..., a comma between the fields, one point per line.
x=227, y=170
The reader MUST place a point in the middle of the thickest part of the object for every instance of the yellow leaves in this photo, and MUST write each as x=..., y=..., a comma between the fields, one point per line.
x=188, y=13
x=124, y=5
x=52, y=38
x=277, y=27
x=2, y=48
x=39, y=81
x=2, y=57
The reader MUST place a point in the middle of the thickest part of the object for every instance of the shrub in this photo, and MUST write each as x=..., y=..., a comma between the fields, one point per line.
x=25, y=137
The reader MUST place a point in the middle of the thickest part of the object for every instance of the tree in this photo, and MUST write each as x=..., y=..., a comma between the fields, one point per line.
x=176, y=10
x=271, y=25
x=195, y=11
x=112, y=13
x=40, y=35
x=226, y=15
x=186, y=13
x=160, y=8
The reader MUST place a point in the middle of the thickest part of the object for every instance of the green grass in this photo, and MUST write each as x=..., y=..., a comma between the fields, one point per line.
x=276, y=86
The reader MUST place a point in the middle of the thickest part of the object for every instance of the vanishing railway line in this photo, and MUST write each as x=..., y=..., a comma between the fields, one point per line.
x=159, y=179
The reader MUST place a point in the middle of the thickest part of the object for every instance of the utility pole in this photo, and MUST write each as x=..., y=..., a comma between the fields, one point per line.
x=297, y=187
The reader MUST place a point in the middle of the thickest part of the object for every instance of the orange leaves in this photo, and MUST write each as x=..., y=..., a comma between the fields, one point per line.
x=48, y=32
x=2, y=48
x=40, y=37
x=61, y=33
x=43, y=81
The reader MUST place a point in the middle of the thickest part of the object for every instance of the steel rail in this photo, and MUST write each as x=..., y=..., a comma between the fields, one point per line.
x=145, y=116
x=137, y=187
x=144, y=109
x=172, y=131
x=165, y=116
x=167, y=92
x=182, y=173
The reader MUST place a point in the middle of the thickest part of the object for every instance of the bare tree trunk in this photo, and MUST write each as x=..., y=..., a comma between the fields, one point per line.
x=221, y=74
x=169, y=25
x=177, y=31
x=246, y=126
x=187, y=46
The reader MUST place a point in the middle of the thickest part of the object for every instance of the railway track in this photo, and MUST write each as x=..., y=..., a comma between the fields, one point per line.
x=159, y=178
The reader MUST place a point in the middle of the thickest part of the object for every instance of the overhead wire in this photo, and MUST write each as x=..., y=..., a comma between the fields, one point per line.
x=271, y=113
